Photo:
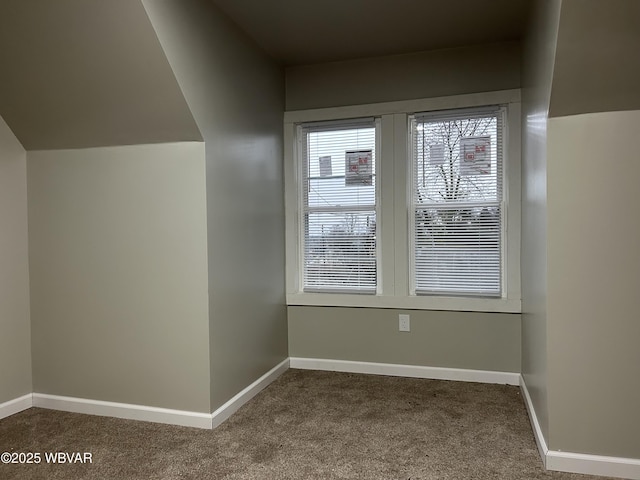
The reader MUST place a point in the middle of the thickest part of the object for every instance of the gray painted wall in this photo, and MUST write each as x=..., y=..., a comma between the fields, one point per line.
x=15, y=340
x=476, y=341
x=440, y=338
x=594, y=279
x=597, y=63
x=236, y=95
x=538, y=61
x=118, y=254
x=581, y=228
x=404, y=77
x=86, y=73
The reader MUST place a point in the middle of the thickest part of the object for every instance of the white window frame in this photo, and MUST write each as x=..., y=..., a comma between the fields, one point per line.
x=393, y=177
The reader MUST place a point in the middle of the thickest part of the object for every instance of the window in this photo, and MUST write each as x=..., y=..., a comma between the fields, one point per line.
x=456, y=225
x=339, y=207
x=407, y=205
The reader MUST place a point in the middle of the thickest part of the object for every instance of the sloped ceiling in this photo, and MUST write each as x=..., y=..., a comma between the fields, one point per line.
x=597, y=64
x=86, y=73
x=298, y=32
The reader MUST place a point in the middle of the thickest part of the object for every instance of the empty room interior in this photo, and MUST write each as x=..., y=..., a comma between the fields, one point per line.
x=212, y=206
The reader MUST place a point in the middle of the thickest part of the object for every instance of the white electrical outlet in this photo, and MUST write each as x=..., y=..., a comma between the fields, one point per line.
x=404, y=323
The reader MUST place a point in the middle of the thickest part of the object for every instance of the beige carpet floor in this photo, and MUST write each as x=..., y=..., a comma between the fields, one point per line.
x=306, y=425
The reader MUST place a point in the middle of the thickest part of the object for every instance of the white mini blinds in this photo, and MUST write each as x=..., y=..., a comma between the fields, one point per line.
x=339, y=206
x=457, y=202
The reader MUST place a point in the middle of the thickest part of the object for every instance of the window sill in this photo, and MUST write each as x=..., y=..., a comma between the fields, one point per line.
x=460, y=304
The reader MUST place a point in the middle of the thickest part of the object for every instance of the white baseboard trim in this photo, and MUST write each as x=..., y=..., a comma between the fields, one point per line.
x=122, y=410
x=143, y=412
x=413, y=371
x=594, y=464
x=535, y=424
x=578, y=462
x=16, y=405
x=230, y=407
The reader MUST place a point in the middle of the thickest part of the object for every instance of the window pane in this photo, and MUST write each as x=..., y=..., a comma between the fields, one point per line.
x=340, y=167
x=457, y=251
x=447, y=166
x=457, y=203
x=340, y=250
x=339, y=207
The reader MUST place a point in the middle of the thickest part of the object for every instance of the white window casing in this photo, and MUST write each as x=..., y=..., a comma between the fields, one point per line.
x=401, y=237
